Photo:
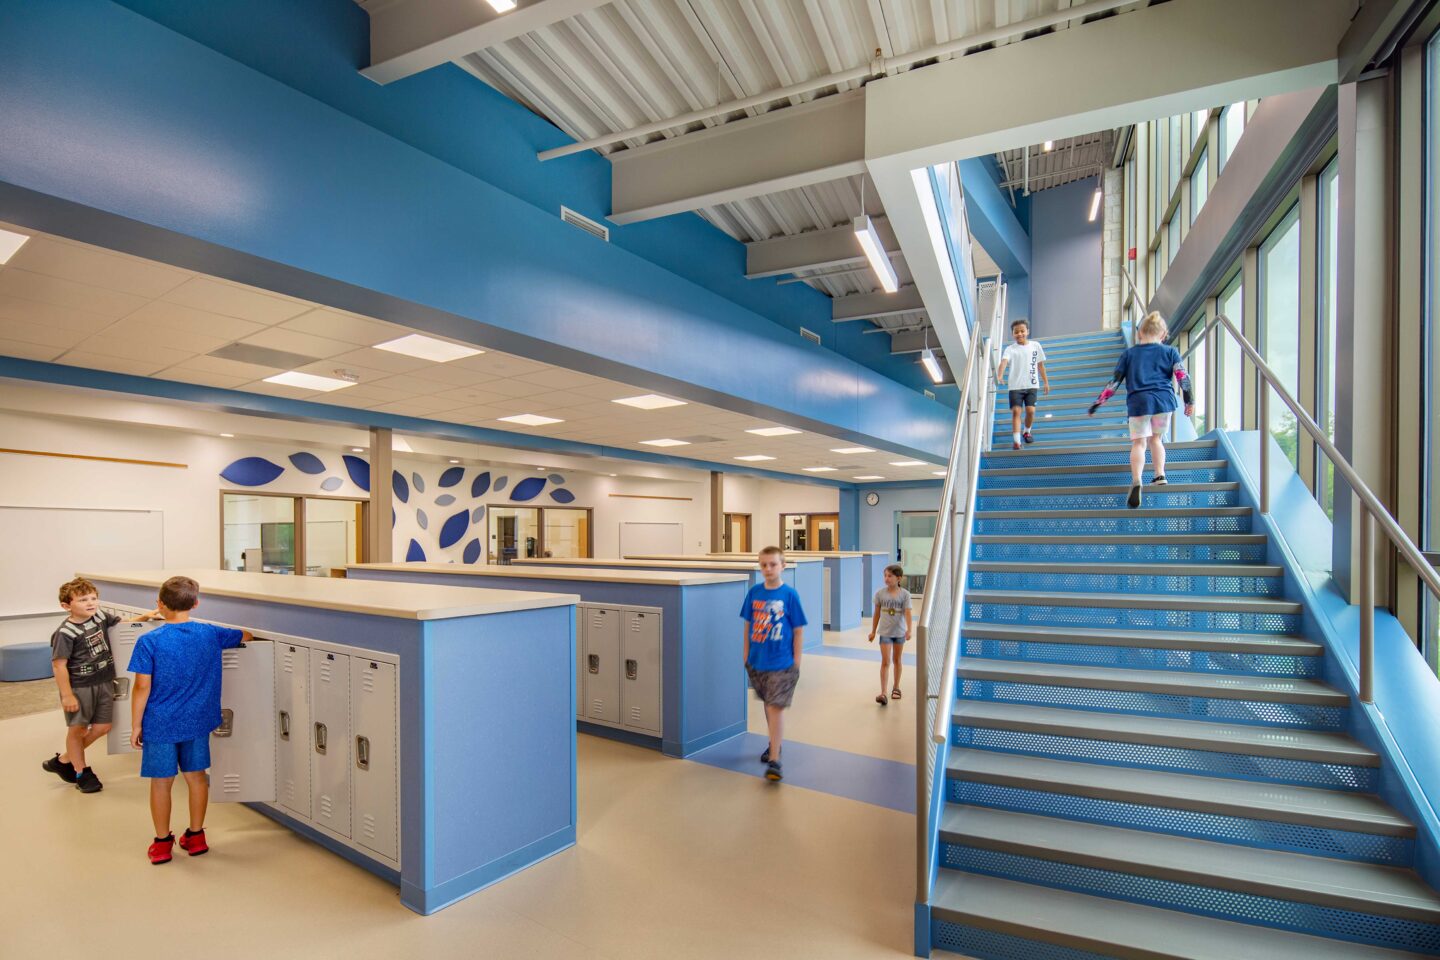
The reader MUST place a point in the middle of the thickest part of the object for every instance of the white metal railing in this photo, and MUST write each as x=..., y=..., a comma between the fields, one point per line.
x=1372, y=510
x=941, y=608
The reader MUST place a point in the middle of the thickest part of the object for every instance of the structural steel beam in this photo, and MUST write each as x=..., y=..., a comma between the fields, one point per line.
x=792, y=147
x=410, y=36
x=816, y=250
x=866, y=306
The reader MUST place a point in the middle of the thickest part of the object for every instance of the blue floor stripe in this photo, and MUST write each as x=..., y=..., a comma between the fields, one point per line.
x=854, y=653
x=885, y=783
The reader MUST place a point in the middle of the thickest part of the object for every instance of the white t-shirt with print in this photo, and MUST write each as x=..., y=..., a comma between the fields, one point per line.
x=1024, y=362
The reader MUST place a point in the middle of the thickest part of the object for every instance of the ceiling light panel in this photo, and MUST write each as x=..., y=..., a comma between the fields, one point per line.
x=819, y=469
x=650, y=401
x=308, y=381
x=868, y=477
x=773, y=432
x=529, y=420
x=10, y=242
x=907, y=463
x=422, y=347
x=755, y=458
x=850, y=450
x=666, y=442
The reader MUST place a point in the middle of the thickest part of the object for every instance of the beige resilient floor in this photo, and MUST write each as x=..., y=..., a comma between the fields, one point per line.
x=674, y=860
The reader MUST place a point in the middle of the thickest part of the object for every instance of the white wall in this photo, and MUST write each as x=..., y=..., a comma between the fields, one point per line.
x=765, y=500
x=877, y=523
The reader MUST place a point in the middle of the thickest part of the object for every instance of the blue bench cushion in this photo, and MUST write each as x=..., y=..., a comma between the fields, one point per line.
x=25, y=661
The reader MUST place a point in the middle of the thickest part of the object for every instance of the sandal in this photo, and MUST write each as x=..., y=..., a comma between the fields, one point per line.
x=895, y=694
x=880, y=699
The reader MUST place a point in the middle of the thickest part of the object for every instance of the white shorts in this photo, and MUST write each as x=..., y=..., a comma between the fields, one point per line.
x=1153, y=425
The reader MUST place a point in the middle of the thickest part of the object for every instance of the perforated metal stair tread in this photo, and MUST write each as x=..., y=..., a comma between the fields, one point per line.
x=1122, y=468
x=1133, y=569
x=1213, y=539
x=1002, y=415
x=1313, y=746
x=1176, y=682
x=1094, y=448
x=1256, y=643
x=1115, y=928
x=1135, y=601
x=1310, y=806
x=1104, y=490
x=1120, y=513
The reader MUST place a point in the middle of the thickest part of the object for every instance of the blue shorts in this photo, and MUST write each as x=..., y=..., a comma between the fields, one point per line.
x=894, y=640
x=161, y=759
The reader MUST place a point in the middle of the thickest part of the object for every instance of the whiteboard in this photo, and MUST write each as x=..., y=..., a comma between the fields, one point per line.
x=651, y=539
x=42, y=547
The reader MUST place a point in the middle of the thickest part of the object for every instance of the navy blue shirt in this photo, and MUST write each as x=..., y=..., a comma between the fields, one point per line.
x=183, y=661
x=1148, y=371
x=773, y=616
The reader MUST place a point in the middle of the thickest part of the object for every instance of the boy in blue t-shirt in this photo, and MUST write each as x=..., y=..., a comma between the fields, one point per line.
x=175, y=705
x=774, y=635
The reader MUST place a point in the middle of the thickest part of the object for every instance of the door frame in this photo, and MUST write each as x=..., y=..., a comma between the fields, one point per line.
x=539, y=528
x=811, y=533
x=749, y=533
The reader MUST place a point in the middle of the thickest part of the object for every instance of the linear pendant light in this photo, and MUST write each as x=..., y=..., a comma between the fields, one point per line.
x=932, y=366
x=875, y=253
x=1095, y=205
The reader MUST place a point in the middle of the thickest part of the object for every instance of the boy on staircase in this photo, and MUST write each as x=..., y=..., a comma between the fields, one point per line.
x=1025, y=359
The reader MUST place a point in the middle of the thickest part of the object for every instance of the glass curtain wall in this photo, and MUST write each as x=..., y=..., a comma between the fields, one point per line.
x=1231, y=371
x=1329, y=237
x=1198, y=365
x=1280, y=324
x=1430, y=481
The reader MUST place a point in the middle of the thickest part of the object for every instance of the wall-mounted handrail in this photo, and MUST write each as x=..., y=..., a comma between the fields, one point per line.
x=1373, y=512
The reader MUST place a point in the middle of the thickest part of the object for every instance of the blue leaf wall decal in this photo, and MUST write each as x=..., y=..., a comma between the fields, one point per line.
x=454, y=528
x=392, y=518
x=480, y=485
x=527, y=489
x=562, y=496
x=472, y=551
x=331, y=483
x=500, y=484
x=444, y=500
x=477, y=515
x=555, y=478
x=421, y=519
x=418, y=482
x=251, y=472
x=307, y=462
x=415, y=554
x=452, y=476
x=359, y=471
x=401, y=488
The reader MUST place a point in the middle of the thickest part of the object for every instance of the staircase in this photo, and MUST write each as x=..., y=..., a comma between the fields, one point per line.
x=1144, y=761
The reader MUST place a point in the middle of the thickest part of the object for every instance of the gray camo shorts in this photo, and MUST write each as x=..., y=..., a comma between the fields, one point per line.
x=775, y=688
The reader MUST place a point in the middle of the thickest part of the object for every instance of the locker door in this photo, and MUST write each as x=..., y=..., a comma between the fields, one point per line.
x=242, y=750
x=602, y=664
x=376, y=774
x=330, y=741
x=122, y=644
x=292, y=728
x=641, y=671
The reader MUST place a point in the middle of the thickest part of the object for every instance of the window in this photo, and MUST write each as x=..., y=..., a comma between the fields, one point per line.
x=1232, y=125
x=528, y=532
x=1430, y=481
x=1280, y=323
x=1232, y=307
x=1197, y=126
x=1177, y=155
x=1329, y=202
x=1196, y=366
x=270, y=533
x=1172, y=238
x=1199, y=184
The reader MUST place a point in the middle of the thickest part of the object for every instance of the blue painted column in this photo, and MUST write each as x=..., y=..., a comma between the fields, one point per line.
x=849, y=518
x=847, y=584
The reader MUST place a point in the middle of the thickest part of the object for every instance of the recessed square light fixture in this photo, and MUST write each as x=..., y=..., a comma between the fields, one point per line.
x=755, y=458
x=454, y=461
x=357, y=449
x=868, y=478
x=772, y=431
x=501, y=6
x=308, y=381
x=849, y=450
x=666, y=442
x=228, y=436
x=9, y=243
x=421, y=347
x=937, y=473
x=819, y=469
x=650, y=401
x=530, y=420
x=907, y=463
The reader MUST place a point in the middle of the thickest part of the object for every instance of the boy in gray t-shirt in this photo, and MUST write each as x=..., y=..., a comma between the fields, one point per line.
x=892, y=624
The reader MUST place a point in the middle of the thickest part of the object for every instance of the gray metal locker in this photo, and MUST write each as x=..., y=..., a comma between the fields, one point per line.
x=292, y=730
x=375, y=777
x=242, y=749
x=602, y=664
x=122, y=644
x=330, y=738
x=640, y=671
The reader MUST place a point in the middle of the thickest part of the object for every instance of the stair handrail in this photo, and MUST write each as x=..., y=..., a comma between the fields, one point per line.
x=1373, y=511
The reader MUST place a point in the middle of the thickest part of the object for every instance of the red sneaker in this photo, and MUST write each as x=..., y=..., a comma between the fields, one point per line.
x=160, y=850
x=194, y=843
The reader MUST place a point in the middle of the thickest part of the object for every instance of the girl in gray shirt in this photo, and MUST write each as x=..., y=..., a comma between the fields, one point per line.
x=892, y=625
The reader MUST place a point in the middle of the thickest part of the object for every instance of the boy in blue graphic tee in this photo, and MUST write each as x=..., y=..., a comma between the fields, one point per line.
x=174, y=707
x=774, y=635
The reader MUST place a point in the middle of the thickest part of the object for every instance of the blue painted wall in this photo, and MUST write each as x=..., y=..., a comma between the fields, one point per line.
x=1001, y=227
x=1066, y=254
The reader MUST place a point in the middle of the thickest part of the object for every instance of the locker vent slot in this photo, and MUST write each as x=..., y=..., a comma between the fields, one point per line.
x=634, y=714
x=230, y=783
x=325, y=671
x=287, y=661
x=367, y=680
x=327, y=807
x=367, y=827
x=230, y=660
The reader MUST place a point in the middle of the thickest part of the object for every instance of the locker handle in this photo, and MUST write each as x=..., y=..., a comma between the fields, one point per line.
x=632, y=667
x=594, y=663
x=320, y=737
x=284, y=724
x=122, y=688
x=362, y=753
x=227, y=723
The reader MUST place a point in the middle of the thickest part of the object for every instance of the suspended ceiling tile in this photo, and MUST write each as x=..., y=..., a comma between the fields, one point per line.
x=216, y=296
x=58, y=292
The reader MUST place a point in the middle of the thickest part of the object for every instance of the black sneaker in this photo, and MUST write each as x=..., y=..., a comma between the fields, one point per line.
x=87, y=782
x=61, y=768
x=1133, y=500
x=1027, y=437
x=765, y=757
x=772, y=772
x=1160, y=481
